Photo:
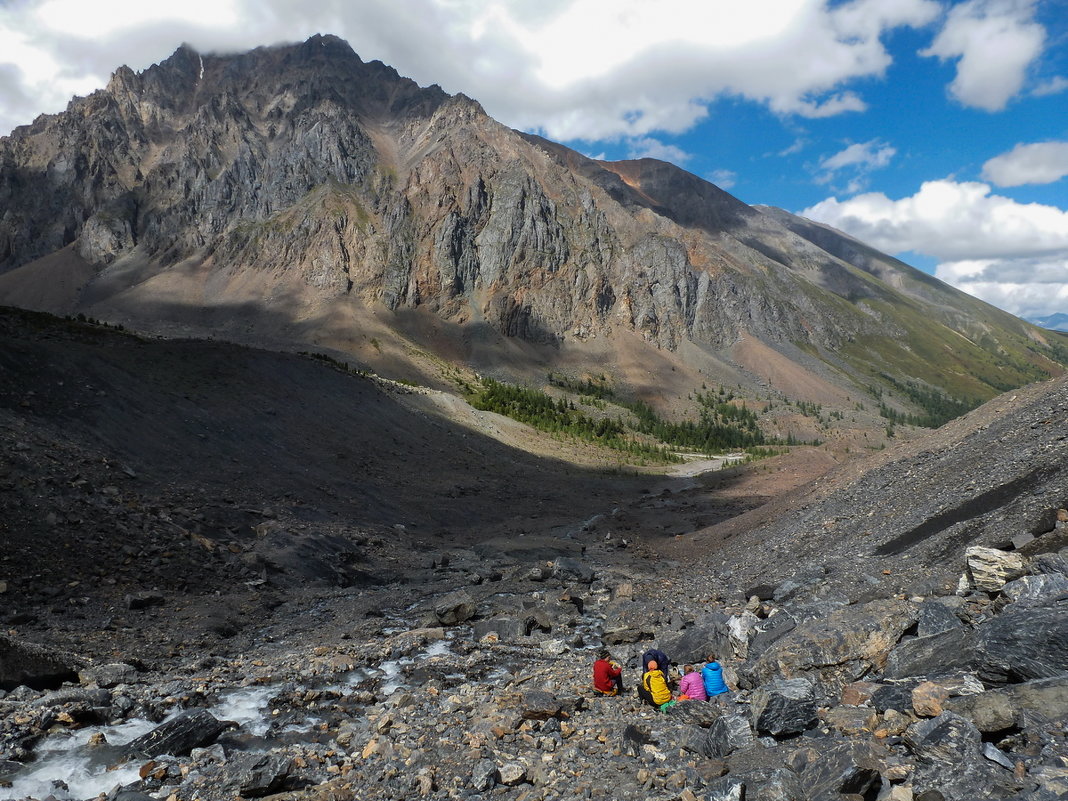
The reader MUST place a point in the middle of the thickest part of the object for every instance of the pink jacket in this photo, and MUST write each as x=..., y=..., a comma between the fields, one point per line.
x=692, y=685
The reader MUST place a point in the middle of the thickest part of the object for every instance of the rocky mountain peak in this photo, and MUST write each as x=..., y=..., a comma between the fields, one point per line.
x=302, y=172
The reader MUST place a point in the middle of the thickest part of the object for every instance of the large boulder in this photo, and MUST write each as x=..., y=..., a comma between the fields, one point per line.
x=944, y=652
x=767, y=632
x=784, y=707
x=729, y=733
x=842, y=768
x=709, y=634
x=1036, y=590
x=990, y=569
x=1024, y=643
x=631, y=621
x=934, y=617
x=949, y=759
x=837, y=649
x=35, y=666
x=567, y=569
x=194, y=728
x=454, y=608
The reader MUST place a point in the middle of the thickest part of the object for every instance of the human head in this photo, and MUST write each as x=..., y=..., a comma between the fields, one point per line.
x=603, y=654
x=652, y=665
x=711, y=658
x=687, y=669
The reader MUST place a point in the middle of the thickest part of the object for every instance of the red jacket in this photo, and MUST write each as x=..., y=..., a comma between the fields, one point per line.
x=603, y=675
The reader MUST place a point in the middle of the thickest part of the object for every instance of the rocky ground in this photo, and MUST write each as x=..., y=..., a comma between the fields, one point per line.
x=231, y=615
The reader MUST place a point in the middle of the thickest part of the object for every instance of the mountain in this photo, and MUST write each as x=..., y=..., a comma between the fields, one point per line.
x=297, y=196
x=1055, y=322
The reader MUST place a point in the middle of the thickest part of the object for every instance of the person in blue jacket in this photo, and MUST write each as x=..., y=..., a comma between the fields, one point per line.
x=715, y=686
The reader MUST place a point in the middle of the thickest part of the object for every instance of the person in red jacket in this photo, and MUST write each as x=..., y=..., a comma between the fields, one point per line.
x=607, y=675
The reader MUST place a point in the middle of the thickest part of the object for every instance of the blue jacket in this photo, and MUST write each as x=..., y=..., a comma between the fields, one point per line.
x=712, y=674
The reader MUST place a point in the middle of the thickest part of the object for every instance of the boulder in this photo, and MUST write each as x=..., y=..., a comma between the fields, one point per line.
x=108, y=675
x=454, y=608
x=842, y=768
x=35, y=666
x=567, y=569
x=784, y=707
x=948, y=650
x=988, y=712
x=729, y=733
x=506, y=627
x=989, y=569
x=934, y=617
x=767, y=633
x=261, y=774
x=1024, y=643
x=893, y=696
x=709, y=634
x=851, y=720
x=948, y=738
x=1048, y=564
x=1036, y=590
x=772, y=784
x=194, y=728
x=630, y=621
x=484, y=775
x=699, y=713
x=837, y=649
x=1047, y=698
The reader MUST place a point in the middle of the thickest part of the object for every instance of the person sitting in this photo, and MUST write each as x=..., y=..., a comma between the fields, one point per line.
x=661, y=659
x=607, y=675
x=691, y=685
x=654, y=689
x=715, y=687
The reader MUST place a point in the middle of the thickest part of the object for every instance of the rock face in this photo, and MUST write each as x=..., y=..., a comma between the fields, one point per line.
x=331, y=182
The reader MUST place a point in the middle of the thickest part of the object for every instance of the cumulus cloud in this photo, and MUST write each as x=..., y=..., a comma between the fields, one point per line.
x=724, y=179
x=995, y=41
x=868, y=155
x=1013, y=255
x=574, y=69
x=855, y=162
x=1038, y=163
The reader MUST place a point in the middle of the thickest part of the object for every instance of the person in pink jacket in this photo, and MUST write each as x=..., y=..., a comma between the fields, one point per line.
x=691, y=685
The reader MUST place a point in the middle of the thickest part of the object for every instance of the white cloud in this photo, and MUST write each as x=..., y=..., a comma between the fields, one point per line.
x=724, y=179
x=995, y=41
x=869, y=155
x=570, y=68
x=647, y=147
x=1037, y=163
x=1013, y=255
x=1054, y=86
x=855, y=162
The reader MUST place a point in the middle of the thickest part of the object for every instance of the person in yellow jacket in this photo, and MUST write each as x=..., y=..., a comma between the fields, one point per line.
x=654, y=688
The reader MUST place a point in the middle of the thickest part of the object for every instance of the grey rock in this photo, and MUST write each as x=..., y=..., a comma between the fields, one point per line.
x=74, y=695
x=946, y=651
x=726, y=735
x=934, y=617
x=454, y=608
x=842, y=768
x=506, y=627
x=1024, y=643
x=1036, y=590
x=108, y=675
x=484, y=775
x=709, y=634
x=784, y=707
x=768, y=632
x=948, y=739
x=995, y=754
x=144, y=600
x=193, y=728
x=263, y=774
x=893, y=696
x=1048, y=564
x=568, y=569
x=836, y=648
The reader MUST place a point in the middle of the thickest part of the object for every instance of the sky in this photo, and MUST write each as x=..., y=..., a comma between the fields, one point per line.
x=935, y=130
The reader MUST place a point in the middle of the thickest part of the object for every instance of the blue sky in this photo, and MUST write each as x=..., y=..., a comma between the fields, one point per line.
x=933, y=129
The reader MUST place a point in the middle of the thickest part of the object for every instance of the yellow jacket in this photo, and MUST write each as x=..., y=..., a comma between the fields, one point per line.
x=656, y=684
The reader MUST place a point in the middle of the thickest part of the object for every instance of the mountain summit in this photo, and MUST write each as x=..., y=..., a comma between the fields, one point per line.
x=298, y=195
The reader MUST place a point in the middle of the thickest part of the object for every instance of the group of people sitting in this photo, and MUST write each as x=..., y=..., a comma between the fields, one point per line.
x=656, y=683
